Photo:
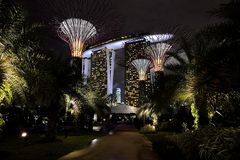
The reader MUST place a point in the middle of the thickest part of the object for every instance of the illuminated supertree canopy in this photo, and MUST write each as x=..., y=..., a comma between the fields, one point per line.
x=162, y=51
x=76, y=32
x=82, y=23
x=141, y=66
x=158, y=55
x=167, y=56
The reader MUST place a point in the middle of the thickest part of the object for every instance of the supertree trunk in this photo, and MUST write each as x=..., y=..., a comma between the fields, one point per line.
x=52, y=119
x=201, y=104
x=82, y=121
x=90, y=121
x=51, y=131
x=76, y=64
x=159, y=82
x=142, y=92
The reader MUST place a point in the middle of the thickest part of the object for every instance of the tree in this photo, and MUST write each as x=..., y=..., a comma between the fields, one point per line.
x=47, y=78
x=175, y=66
x=12, y=85
x=215, y=62
x=90, y=102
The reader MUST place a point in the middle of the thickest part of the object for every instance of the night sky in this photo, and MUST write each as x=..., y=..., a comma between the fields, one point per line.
x=149, y=15
x=146, y=16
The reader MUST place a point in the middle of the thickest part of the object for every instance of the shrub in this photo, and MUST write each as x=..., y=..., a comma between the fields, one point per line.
x=210, y=144
x=203, y=144
x=165, y=146
x=2, y=122
x=148, y=129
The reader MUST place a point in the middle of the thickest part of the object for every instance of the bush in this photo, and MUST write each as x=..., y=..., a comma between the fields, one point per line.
x=166, y=148
x=2, y=122
x=203, y=144
x=148, y=129
x=210, y=144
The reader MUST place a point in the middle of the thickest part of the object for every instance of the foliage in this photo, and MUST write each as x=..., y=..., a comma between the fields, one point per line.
x=2, y=122
x=12, y=26
x=185, y=93
x=33, y=69
x=202, y=144
x=210, y=143
x=13, y=45
x=214, y=65
x=93, y=100
x=175, y=64
x=12, y=85
x=164, y=145
x=46, y=78
x=195, y=114
x=148, y=129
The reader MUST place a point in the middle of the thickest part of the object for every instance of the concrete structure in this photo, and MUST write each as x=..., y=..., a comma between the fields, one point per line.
x=108, y=66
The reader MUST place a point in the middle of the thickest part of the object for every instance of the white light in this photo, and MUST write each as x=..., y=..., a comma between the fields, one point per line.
x=121, y=43
x=95, y=117
x=159, y=37
x=110, y=133
x=113, y=45
x=118, y=95
x=94, y=142
x=24, y=134
x=154, y=127
x=110, y=55
x=97, y=128
x=76, y=32
x=141, y=66
x=157, y=53
x=74, y=26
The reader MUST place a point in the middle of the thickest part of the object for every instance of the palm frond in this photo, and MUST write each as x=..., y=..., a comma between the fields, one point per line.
x=11, y=83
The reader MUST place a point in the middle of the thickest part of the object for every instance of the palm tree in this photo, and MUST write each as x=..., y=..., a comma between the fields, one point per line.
x=216, y=59
x=48, y=79
x=12, y=85
x=91, y=102
x=175, y=64
x=214, y=69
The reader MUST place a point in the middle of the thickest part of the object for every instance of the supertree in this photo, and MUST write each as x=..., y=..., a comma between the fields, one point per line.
x=82, y=23
x=162, y=54
x=157, y=53
x=142, y=66
x=76, y=32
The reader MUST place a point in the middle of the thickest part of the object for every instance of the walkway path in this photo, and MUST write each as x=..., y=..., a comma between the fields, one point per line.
x=125, y=144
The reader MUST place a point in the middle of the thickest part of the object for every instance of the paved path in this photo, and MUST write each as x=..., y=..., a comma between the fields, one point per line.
x=125, y=144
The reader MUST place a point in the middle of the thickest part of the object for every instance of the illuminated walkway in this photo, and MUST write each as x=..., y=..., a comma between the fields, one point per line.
x=125, y=144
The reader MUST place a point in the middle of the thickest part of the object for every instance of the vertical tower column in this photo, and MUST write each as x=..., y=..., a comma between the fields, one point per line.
x=86, y=69
x=110, y=55
x=118, y=95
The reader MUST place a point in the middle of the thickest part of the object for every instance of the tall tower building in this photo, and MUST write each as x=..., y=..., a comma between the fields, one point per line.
x=99, y=72
x=110, y=70
x=134, y=50
x=102, y=71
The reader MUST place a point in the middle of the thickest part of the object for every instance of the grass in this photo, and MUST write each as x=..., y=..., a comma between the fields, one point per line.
x=13, y=148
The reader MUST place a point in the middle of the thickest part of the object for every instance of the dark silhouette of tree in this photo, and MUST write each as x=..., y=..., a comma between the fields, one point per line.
x=215, y=59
